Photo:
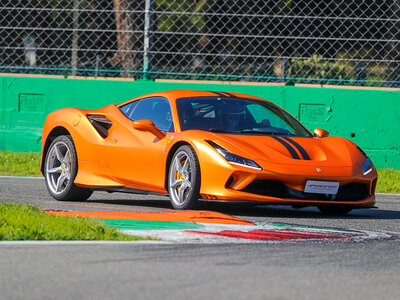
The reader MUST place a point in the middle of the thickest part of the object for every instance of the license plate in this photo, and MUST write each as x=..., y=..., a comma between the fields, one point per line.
x=321, y=187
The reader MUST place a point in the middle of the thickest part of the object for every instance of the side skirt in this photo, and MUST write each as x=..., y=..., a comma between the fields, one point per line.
x=113, y=189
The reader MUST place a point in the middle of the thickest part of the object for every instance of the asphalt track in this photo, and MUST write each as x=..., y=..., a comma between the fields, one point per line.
x=306, y=270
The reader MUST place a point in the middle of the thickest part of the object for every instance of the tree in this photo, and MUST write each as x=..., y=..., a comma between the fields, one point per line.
x=125, y=24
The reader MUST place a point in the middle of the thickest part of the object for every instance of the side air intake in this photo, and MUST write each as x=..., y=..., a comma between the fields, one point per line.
x=101, y=124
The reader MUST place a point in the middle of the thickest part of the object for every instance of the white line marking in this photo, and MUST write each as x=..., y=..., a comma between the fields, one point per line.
x=20, y=177
x=10, y=243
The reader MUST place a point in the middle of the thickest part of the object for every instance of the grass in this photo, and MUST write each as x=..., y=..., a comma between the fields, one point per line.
x=388, y=181
x=26, y=222
x=28, y=164
x=20, y=163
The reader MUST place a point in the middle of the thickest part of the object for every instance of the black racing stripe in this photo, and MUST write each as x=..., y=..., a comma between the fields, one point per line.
x=219, y=94
x=287, y=145
x=230, y=95
x=299, y=147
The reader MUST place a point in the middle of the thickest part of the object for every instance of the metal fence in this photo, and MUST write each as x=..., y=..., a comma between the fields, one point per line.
x=344, y=42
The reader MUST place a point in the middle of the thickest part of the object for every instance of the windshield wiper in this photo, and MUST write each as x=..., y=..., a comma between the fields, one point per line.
x=272, y=132
x=216, y=130
x=258, y=131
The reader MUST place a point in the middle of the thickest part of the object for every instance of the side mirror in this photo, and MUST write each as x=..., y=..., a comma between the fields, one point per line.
x=148, y=125
x=320, y=133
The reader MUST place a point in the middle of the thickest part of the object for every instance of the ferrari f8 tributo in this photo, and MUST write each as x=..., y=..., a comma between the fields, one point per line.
x=194, y=145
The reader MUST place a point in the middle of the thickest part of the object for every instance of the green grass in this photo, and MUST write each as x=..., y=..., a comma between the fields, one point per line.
x=26, y=222
x=20, y=163
x=388, y=181
x=28, y=164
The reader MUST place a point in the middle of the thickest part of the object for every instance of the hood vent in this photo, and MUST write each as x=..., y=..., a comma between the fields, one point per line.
x=101, y=124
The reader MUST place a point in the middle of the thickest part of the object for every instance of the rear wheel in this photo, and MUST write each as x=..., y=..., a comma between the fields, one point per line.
x=61, y=167
x=334, y=209
x=184, y=179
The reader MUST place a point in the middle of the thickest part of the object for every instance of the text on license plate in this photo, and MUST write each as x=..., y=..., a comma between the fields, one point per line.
x=321, y=187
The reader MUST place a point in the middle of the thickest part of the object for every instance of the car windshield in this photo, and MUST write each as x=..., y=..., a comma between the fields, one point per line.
x=239, y=116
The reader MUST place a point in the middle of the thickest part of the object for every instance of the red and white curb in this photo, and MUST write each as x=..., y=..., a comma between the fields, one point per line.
x=263, y=233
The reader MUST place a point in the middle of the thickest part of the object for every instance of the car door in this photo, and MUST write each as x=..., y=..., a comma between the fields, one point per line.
x=135, y=157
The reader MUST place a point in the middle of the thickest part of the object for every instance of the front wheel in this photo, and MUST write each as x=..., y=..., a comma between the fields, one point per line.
x=184, y=179
x=60, y=169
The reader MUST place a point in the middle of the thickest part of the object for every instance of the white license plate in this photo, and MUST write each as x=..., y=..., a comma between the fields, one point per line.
x=321, y=187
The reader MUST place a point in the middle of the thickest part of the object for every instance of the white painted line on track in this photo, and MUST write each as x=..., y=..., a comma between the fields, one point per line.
x=10, y=243
x=21, y=177
x=386, y=194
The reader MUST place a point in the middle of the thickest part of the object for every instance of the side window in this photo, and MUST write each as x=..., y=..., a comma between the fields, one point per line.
x=155, y=109
x=128, y=109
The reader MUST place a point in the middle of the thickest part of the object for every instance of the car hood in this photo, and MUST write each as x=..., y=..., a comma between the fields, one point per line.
x=329, y=151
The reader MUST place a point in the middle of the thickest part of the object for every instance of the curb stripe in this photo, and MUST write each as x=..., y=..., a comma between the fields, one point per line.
x=288, y=147
x=269, y=235
x=149, y=225
x=199, y=216
x=298, y=146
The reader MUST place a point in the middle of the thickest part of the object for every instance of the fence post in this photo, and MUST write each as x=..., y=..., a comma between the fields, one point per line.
x=75, y=37
x=148, y=36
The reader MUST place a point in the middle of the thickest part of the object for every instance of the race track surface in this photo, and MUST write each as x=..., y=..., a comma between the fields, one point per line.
x=306, y=270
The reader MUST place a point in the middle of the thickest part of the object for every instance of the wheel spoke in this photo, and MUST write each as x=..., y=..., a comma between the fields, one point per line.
x=60, y=182
x=175, y=184
x=178, y=165
x=188, y=184
x=181, y=193
x=58, y=154
x=54, y=170
x=186, y=165
x=66, y=157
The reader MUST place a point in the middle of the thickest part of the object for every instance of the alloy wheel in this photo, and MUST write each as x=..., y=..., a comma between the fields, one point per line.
x=58, y=167
x=180, y=177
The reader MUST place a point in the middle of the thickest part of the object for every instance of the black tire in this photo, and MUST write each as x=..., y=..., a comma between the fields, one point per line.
x=334, y=209
x=188, y=198
x=58, y=161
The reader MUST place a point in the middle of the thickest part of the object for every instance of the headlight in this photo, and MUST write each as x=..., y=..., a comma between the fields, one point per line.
x=234, y=158
x=367, y=166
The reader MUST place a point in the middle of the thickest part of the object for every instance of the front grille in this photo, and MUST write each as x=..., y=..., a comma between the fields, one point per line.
x=353, y=191
x=273, y=188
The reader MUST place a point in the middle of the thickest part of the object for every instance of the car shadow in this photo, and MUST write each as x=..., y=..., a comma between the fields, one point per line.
x=308, y=212
x=162, y=204
x=246, y=209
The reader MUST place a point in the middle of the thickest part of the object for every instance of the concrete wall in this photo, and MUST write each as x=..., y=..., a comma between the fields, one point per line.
x=370, y=118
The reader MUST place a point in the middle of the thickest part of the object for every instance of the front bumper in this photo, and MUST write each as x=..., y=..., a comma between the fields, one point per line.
x=234, y=183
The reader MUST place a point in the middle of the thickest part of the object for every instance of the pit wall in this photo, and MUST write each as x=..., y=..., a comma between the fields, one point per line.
x=368, y=117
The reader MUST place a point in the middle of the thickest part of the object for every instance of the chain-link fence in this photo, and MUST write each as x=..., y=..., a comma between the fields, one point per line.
x=346, y=42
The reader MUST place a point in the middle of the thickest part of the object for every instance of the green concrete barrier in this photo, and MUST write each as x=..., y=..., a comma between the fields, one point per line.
x=370, y=118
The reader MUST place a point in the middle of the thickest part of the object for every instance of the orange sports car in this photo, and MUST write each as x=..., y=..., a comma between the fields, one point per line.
x=194, y=145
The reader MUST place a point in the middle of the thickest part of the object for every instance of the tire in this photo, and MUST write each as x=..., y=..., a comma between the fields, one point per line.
x=60, y=169
x=334, y=209
x=184, y=179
